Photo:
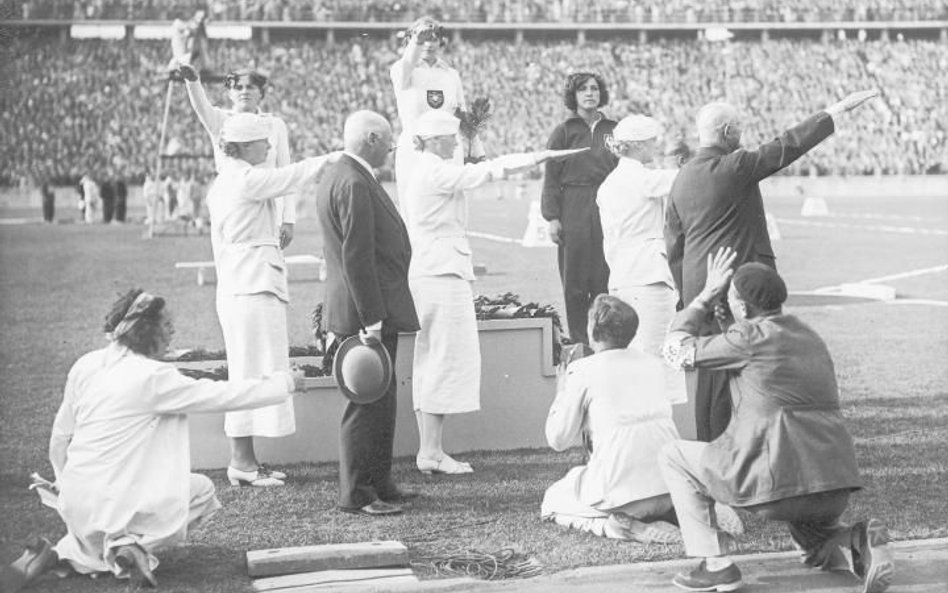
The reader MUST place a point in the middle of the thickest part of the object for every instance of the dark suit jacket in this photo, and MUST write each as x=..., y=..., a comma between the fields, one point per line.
x=367, y=253
x=787, y=436
x=715, y=202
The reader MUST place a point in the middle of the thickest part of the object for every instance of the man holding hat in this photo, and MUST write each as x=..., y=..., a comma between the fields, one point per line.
x=786, y=454
x=716, y=201
x=447, y=362
x=631, y=204
x=251, y=278
x=367, y=256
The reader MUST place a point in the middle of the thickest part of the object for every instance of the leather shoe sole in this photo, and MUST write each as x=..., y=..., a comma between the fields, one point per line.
x=400, y=495
x=376, y=508
x=133, y=559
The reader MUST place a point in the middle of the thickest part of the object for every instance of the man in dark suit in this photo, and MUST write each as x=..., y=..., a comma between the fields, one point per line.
x=715, y=202
x=367, y=255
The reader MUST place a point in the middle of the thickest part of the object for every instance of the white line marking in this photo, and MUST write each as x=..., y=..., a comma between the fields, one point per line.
x=902, y=230
x=919, y=302
x=491, y=237
x=919, y=272
x=880, y=217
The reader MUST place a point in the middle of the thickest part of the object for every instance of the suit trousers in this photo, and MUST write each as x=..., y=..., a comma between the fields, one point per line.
x=366, y=439
x=813, y=519
x=582, y=262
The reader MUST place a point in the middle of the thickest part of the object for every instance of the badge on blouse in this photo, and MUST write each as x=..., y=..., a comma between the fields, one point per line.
x=435, y=99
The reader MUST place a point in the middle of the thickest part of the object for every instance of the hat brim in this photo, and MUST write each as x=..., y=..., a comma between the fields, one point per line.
x=362, y=398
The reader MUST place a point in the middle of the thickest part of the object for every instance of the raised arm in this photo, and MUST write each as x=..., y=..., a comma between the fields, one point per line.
x=402, y=69
x=207, y=113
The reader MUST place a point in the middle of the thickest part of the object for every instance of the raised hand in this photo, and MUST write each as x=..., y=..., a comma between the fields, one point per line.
x=852, y=101
x=719, y=271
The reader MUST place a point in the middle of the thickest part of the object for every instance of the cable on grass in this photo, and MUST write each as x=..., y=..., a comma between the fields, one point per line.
x=495, y=566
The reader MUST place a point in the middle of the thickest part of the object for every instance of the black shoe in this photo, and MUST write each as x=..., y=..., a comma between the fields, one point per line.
x=132, y=558
x=376, y=508
x=36, y=559
x=702, y=579
x=399, y=495
x=872, y=558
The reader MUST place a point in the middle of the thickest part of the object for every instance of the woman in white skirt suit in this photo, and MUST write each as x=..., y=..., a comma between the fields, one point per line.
x=251, y=276
x=246, y=89
x=447, y=362
x=120, y=452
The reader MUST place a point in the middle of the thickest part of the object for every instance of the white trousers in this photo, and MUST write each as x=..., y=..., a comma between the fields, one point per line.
x=655, y=306
x=254, y=328
x=680, y=462
x=446, y=373
x=89, y=551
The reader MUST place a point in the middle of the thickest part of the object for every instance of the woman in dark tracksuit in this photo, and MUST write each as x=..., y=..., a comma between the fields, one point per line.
x=569, y=196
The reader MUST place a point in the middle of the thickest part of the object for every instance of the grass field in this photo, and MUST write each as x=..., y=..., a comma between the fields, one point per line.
x=56, y=282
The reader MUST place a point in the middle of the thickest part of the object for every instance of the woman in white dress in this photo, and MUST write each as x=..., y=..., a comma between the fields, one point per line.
x=251, y=275
x=616, y=399
x=120, y=452
x=447, y=361
x=631, y=204
x=423, y=82
x=246, y=89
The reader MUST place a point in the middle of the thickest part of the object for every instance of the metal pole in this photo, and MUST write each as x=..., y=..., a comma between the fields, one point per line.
x=161, y=144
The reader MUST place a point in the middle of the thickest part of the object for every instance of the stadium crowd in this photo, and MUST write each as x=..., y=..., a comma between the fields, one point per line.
x=62, y=118
x=632, y=11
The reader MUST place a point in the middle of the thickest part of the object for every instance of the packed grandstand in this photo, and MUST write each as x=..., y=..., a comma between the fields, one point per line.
x=75, y=106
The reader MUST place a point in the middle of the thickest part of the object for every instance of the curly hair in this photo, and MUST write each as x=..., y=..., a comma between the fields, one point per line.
x=143, y=338
x=231, y=149
x=612, y=321
x=256, y=79
x=578, y=79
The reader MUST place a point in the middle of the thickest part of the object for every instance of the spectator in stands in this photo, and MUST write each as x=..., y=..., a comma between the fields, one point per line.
x=246, y=89
x=568, y=201
x=786, y=454
x=119, y=449
x=49, y=201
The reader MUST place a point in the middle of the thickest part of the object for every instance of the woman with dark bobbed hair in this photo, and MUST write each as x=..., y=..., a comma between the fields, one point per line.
x=120, y=452
x=568, y=201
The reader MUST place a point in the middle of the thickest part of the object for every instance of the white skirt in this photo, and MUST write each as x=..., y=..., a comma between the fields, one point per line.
x=254, y=327
x=446, y=376
x=655, y=306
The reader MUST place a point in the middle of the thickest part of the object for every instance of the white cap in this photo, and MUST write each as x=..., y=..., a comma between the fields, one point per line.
x=244, y=127
x=435, y=122
x=636, y=128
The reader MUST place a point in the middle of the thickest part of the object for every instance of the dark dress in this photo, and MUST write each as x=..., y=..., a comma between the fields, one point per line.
x=569, y=195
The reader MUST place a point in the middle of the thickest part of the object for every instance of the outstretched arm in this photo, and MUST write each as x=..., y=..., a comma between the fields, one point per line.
x=199, y=101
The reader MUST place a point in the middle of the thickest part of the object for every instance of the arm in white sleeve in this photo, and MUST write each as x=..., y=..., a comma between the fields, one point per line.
x=169, y=392
x=266, y=184
x=211, y=118
x=450, y=176
x=63, y=428
x=288, y=216
x=564, y=423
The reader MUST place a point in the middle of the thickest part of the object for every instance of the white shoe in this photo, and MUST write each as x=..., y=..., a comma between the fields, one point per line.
x=259, y=478
x=272, y=472
x=445, y=465
x=727, y=519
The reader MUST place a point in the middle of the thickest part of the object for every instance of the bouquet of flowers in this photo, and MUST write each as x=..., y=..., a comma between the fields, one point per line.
x=472, y=123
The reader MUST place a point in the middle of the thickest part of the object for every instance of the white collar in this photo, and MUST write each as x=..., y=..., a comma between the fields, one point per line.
x=361, y=161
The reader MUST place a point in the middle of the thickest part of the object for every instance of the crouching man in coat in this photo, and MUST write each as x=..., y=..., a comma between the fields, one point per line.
x=786, y=455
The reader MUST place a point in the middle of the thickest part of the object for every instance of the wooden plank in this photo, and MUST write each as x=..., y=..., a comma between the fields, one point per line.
x=280, y=561
x=323, y=577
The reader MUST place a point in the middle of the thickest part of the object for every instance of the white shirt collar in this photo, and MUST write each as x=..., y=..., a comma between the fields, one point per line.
x=362, y=162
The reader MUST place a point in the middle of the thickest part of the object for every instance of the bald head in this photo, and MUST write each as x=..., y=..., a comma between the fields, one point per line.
x=718, y=123
x=369, y=135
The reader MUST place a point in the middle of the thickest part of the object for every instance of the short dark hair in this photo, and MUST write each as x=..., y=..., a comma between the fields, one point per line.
x=256, y=79
x=578, y=79
x=143, y=337
x=232, y=149
x=612, y=321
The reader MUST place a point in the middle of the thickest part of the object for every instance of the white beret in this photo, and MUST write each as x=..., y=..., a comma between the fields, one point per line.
x=435, y=122
x=244, y=127
x=636, y=128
